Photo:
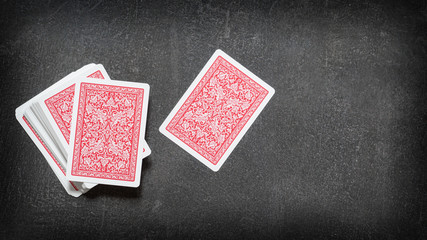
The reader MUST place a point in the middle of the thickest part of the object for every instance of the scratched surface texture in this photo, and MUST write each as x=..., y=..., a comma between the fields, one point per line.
x=339, y=152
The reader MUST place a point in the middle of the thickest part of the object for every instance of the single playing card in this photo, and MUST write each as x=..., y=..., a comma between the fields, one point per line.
x=217, y=110
x=107, y=132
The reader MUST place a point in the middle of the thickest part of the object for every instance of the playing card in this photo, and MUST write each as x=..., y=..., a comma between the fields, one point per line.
x=52, y=154
x=107, y=132
x=217, y=110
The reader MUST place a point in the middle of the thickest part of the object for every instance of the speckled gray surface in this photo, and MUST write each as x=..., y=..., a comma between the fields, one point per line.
x=339, y=151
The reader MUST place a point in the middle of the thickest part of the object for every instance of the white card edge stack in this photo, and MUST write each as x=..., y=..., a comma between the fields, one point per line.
x=74, y=189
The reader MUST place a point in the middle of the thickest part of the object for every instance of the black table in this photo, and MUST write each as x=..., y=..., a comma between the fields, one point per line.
x=339, y=151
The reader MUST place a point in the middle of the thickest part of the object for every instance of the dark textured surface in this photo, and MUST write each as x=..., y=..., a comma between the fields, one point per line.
x=339, y=152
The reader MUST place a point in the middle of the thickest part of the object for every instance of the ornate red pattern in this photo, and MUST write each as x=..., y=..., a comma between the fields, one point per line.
x=107, y=132
x=60, y=107
x=97, y=75
x=217, y=110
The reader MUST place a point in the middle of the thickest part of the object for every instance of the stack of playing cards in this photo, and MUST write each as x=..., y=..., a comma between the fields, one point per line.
x=217, y=110
x=90, y=129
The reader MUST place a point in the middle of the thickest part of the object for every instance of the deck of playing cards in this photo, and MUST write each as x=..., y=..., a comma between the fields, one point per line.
x=217, y=110
x=90, y=129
